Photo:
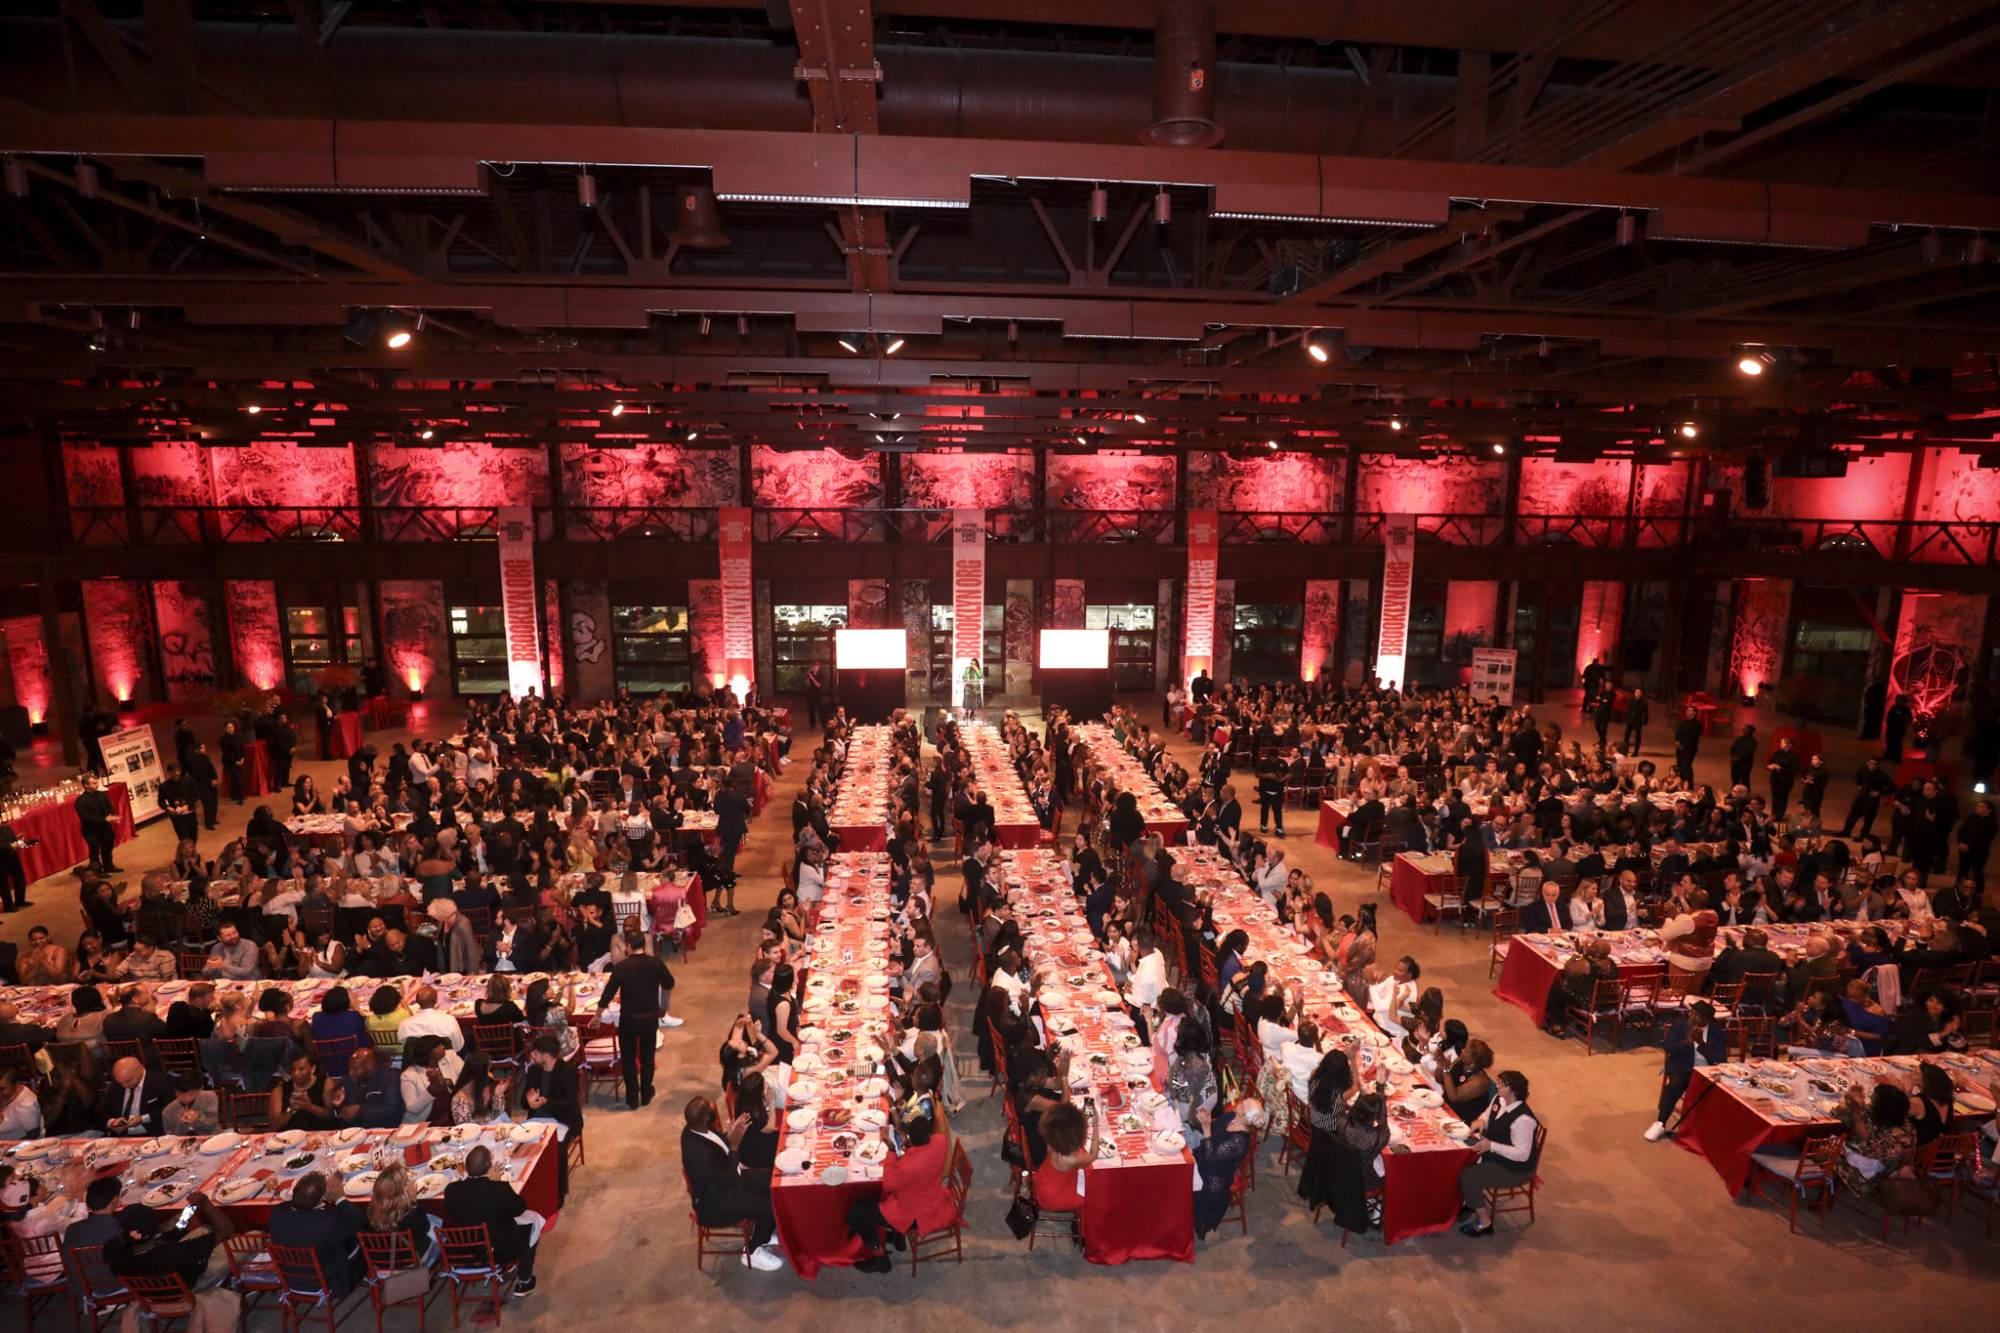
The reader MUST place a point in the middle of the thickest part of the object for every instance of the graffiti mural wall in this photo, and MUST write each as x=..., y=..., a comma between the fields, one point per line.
x=119, y=625
x=253, y=633
x=187, y=645
x=1282, y=484
x=1322, y=625
x=649, y=475
x=814, y=479
x=1937, y=650
x=1110, y=481
x=458, y=476
x=172, y=476
x=706, y=651
x=90, y=474
x=271, y=473
x=1471, y=619
x=589, y=639
x=1598, y=624
x=415, y=651
x=29, y=659
x=1763, y=615
x=1389, y=485
x=968, y=481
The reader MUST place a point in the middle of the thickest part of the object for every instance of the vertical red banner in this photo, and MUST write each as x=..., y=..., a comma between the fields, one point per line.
x=739, y=640
x=1399, y=552
x=518, y=605
x=1204, y=538
x=968, y=598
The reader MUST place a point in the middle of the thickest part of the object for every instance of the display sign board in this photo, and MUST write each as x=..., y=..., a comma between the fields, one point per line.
x=739, y=638
x=1076, y=649
x=522, y=617
x=131, y=757
x=968, y=600
x=1204, y=544
x=1399, y=537
x=1493, y=675
x=870, y=649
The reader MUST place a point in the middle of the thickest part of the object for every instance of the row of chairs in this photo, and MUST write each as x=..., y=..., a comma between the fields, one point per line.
x=1950, y=1164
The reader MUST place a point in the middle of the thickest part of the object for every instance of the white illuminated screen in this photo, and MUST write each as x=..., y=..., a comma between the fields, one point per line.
x=870, y=649
x=1076, y=649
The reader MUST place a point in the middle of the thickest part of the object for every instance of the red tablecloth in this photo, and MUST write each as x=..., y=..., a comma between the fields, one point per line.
x=1915, y=768
x=812, y=1224
x=1171, y=831
x=346, y=736
x=1017, y=835
x=1408, y=885
x=257, y=769
x=1330, y=823
x=1725, y=1131
x=862, y=838
x=60, y=834
x=1139, y=1212
x=760, y=792
x=1525, y=980
x=537, y=1190
x=1420, y=1192
x=667, y=900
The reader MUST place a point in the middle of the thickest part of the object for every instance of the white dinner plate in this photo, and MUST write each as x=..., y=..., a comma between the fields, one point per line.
x=222, y=1143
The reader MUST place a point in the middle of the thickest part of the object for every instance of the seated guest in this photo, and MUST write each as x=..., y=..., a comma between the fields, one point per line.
x=1879, y=1137
x=303, y=1098
x=1072, y=1147
x=369, y=1095
x=512, y=1228
x=1505, y=1141
x=916, y=1196
x=193, y=1109
x=723, y=1196
x=551, y=1089
x=133, y=1099
x=385, y=1011
x=146, y=1246
x=331, y=1230
x=1548, y=914
x=393, y=1207
x=1819, y=1027
x=1576, y=988
x=337, y=1022
x=1736, y=962
x=231, y=957
x=1466, y=1085
x=1932, y=1027
x=134, y=1019
x=1227, y=1137
x=1360, y=1133
x=1866, y=1019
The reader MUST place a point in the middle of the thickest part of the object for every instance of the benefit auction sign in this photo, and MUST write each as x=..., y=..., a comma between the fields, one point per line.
x=739, y=638
x=1204, y=546
x=1399, y=549
x=131, y=757
x=968, y=597
x=518, y=603
x=1493, y=675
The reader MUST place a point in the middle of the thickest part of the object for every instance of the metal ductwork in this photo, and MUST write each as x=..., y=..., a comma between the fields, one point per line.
x=418, y=74
x=1184, y=77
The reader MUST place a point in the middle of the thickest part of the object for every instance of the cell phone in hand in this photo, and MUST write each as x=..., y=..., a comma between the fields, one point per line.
x=187, y=1216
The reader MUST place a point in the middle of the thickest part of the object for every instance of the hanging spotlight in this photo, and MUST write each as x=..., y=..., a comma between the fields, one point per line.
x=618, y=409
x=360, y=329
x=1626, y=229
x=86, y=180
x=743, y=326
x=1270, y=444
x=1163, y=207
x=697, y=219
x=253, y=409
x=1750, y=365
x=693, y=434
x=1395, y=423
x=1139, y=417
x=397, y=330
x=17, y=178
x=1499, y=448
x=1315, y=351
x=705, y=321
x=586, y=189
x=426, y=433
x=1100, y=203
x=1013, y=331
x=1688, y=431
x=852, y=342
x=893, y=348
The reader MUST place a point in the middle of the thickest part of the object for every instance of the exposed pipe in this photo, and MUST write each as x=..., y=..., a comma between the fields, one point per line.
x=423, y=74
x=1184, y=77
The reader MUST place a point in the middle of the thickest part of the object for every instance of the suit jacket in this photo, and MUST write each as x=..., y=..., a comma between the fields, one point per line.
x=1682, y=1043
x=154, y=1094
x=713, y=1182
x=494, y=1205
x=1537, y=918
x=561, y=1087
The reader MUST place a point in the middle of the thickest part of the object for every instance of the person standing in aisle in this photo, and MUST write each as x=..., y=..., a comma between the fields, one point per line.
x=1637, y=714
x=231, y=746
x=200, y=771
x=1784, y=769
x=642, y=979
x=1687, y=739
x=1270, y=795
x=94, y=811
x=1871, y=784
x=1742, y=754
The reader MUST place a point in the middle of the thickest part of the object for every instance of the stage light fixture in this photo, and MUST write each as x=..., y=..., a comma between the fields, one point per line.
x=1688, y=430
x=426, y=433
x=705, y=321
x=852, y=344
x=360, y=328
x=86, y=180
x=17, y=178
x=1315, y=351
x=253, y=409
x=1395, y=423
x=1750, y=365
x=1163, y=208
x=693, y=434
x=618, y=409
x=586, y=189
x=1499, y=448
x=1013, y=331
x=1271, y=444
x=1139, y=417
x=1626, y=229
x=893, y=348
x=1100, y=203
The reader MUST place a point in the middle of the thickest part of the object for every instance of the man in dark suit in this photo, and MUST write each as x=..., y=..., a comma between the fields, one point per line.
x=177, y=797
x=552, y=1091
x=199, y=782
x=231, y=747
x=1687, y=739
x=133, y=1099
x=1736, y=962
x=332, y=1231
x=281, y=741
x=1693, y=1038
x=723, y=1196
x=643, y=980
x=480, y=1200
x=1229, y=813
x=1742, y=754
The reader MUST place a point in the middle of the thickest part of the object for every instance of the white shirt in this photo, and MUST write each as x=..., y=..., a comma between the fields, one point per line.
x=1271, y=880
x=431, y=1023
x=1149, y=978
x=1274, y=1036
x=812, y=883
x=1300, y=1062
x=22, y=1118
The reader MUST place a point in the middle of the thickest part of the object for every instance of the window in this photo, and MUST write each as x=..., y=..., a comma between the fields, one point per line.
x=804, y=635
x=1132, y=643
x=1268, y=642
x=1423, y=651
x=310, y=643
x=651, y=649
x=478, y=637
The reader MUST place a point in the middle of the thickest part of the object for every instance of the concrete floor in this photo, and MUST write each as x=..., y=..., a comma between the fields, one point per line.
x=1627, y=1230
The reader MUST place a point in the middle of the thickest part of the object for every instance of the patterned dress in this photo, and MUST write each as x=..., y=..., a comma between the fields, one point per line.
x=1864, y=1139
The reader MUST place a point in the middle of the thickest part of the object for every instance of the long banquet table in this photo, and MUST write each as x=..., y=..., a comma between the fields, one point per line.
x=1732, y=1110
x=1139, y=1194
x=60, y=836
x=860, y=813
x=247, y=1174
x=1423, y=1161
x=1014, y=821
x=1162, y=815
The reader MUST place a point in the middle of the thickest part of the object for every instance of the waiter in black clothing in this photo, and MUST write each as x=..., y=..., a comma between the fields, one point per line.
x=232, y=761
x=200, y=770
x=183, y=742
x=177, y=798
x=644, y=979
x=94, y=811
x=281, y=741
x=1687, y=739
x=1871, y=784
x=13, y=875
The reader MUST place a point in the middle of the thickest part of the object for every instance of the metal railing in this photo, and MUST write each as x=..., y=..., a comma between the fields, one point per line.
x=1923, y=541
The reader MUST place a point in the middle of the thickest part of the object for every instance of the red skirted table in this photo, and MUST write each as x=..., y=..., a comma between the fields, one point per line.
x=537, y=1187
x=60, y=835
x=1331, y=820
x=1413, y=877
x=1420, y=1191
x=1723, y=1129
x=1006, y=836
x=346, y=736
x=1915, y=768
x=1139, y=1212
x=1526, y=979
x=257, y=769
x=862, y=837
x=812, y=1223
